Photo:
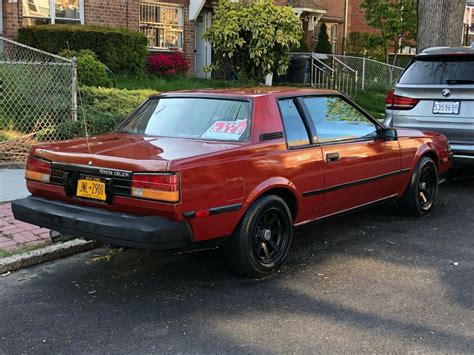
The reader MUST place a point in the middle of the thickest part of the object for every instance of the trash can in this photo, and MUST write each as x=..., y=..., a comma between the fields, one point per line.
x=299, y=71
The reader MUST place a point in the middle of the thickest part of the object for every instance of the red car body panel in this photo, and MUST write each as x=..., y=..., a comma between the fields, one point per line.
x=218, y=174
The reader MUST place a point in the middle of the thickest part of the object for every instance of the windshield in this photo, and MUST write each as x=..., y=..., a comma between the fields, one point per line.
x=197, y=118
x=448, y=70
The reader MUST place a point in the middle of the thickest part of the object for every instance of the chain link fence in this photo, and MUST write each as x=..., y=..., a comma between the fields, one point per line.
x=350, y=74
x=372, y=75
x=37, y=93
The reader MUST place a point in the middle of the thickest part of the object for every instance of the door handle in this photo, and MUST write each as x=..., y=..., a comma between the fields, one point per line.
x=332, y=157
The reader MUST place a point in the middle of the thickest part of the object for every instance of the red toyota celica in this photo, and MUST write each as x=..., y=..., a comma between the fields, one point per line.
x=238, y=168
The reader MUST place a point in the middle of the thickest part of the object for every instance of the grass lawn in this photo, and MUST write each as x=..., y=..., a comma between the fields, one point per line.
x=173, y=83
x=373, y=102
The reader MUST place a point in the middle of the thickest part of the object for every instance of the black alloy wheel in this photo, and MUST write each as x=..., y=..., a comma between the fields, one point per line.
x=420, y=195
x=261, y=242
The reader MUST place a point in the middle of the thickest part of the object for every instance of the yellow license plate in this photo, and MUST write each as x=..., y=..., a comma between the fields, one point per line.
x=89, y=188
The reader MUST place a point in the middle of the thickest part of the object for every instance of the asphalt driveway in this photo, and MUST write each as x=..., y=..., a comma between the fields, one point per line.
x=372, y=281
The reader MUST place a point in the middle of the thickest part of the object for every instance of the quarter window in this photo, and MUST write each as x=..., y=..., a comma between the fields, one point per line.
x=337, y=120
x=295, y=130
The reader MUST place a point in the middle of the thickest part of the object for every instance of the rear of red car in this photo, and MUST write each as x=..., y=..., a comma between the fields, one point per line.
x=120, y=187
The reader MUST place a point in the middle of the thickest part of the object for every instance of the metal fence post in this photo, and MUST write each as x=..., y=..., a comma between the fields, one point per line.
x=74, y=89
x=363, y=73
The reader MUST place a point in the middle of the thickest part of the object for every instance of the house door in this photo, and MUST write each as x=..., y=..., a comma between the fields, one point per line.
x=202, y=52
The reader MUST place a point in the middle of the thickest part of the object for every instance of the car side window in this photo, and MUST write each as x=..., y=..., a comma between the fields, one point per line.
x=295, y=130
x=337, y=120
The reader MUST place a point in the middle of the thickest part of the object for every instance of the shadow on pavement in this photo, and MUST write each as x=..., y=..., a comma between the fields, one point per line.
x=370, y=281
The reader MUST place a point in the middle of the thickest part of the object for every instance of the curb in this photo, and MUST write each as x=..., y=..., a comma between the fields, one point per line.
x=12, y=165
x=49, y=253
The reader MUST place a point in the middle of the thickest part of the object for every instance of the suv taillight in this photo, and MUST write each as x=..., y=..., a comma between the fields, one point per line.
x=395, y=102
x=163, y=187
x=38, y=169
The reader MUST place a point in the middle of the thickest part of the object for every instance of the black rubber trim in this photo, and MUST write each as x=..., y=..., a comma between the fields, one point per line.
x=123, y=229
x=354, y=183
x=95, y=170
x=216, y=210
x=271, y=136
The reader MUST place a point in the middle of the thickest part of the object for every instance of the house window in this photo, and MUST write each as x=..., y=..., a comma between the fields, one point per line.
x=162, y=24
x=39, y=12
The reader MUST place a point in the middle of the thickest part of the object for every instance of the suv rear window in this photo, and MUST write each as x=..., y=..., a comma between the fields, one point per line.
x=440, y=70
x=196, y=118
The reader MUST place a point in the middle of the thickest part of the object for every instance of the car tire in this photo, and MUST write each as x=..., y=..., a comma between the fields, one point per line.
x=420, y=195
x=260, y=244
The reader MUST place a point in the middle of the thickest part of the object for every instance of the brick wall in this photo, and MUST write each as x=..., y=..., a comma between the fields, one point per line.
x=189, y=38
x=357, y=21
x=10, y=18
x=115, y=13
x=334, y=8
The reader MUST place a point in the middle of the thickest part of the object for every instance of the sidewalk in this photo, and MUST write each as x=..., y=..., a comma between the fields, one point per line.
x=16, y=235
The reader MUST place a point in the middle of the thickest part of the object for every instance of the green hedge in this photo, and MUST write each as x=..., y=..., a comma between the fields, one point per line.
x=122, y=50
x=104, y=109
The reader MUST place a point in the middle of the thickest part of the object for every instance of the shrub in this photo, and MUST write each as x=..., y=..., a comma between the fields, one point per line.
x=366, y=44
x=168, y=63
x=302, y=46
x=254, y=36
x=119, y=49
x=323, y=45
x=104, y=109
x=90, y=71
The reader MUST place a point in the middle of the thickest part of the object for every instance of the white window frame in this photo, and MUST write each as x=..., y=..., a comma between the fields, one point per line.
x=52, y=14
x=163, y=26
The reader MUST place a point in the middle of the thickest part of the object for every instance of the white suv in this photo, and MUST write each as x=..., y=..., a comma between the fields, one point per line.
x=436, y=93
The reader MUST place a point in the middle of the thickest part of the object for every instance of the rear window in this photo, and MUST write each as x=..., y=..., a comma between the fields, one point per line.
x=453, y=70
x=196, y=118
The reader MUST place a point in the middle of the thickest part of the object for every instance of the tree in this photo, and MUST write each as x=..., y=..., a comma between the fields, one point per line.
x=366, y=44
x=440, y=23
x=254, y=36
x=323, y=45
x=396, y=21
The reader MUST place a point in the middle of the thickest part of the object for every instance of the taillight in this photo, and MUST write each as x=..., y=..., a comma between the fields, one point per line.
x=38, y=169
x=395, y=102
x=163, y=187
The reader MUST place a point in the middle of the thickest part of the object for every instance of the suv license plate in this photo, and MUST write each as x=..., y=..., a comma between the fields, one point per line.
x=91, y=188
x=446, y=107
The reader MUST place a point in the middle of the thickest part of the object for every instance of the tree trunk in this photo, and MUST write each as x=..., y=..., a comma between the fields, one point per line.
x=440, y=23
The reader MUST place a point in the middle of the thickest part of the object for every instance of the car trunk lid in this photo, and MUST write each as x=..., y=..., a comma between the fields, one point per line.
x=113, y=158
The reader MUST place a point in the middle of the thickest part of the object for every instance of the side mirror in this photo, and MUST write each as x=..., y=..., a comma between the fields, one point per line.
x=389, y=134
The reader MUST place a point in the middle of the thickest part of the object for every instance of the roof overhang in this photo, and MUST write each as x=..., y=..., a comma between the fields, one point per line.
x=195, y=7
x=308, y=10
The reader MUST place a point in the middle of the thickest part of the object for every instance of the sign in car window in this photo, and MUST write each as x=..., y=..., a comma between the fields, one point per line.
x=226, y=130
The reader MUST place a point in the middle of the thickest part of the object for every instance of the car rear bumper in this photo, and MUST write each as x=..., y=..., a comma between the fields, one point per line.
x=143, y=232
x=463, y=160
x=463, y=154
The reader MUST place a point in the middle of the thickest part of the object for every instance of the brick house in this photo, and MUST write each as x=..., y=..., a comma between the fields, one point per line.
x=168, y=24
